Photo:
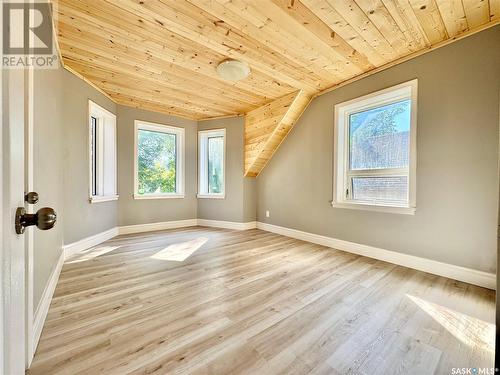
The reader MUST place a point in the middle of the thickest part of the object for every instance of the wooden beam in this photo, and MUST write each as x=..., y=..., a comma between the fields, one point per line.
x=266, y=128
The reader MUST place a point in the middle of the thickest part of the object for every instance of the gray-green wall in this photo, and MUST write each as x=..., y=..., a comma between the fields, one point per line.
x=81, y=218
x=239, y=202
x=48, y=169
x=143, y=211
x=60, y=136
x=457, y=171
x=60, y=145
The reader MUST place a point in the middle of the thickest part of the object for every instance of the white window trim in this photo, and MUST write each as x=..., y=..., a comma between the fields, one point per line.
x=103, y=198
x=101, y=114
x=180, y=164
x=341, y=113
x=201, y=164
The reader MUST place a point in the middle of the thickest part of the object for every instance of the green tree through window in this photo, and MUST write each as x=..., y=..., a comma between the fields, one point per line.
x=157, y=156
x=379, y=137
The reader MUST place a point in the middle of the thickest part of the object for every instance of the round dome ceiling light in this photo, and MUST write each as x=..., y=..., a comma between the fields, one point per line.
x=233, y=70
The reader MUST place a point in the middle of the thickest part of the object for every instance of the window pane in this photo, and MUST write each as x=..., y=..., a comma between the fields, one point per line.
x=93, y=152
x=387, y=189
x=157, y=159
x=215, y=164
x=379, y=137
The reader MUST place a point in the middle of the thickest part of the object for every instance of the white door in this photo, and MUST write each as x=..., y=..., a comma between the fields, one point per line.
x=16, y=311
x=13, y=333
x=16, y=171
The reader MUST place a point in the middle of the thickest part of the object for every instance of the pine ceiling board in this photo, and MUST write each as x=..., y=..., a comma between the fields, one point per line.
x=132, y=67
x=453, y=14
x=159, y=99
x=278, y=44
x=283, y=40
x=134, y=89
x=133, y=63
x=324, y=11
x=380, y=16
x=158, y=107
x=289, y=108
x=271, y=114
x=405, y=18
x=162, y=44
x=494, y=10
x=284, y=34
x=100, y=74
x=308, y=20
x=193, y=23
x=198, y=98
x=124, y=73
x=336, y=61
x=477, y=12
x=153, y=94
x=130, y=102
x=355, y=16
x=141, y=86
x=430, y=18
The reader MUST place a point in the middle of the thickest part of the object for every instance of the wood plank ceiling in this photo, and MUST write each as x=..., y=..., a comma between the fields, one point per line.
x=161, y=55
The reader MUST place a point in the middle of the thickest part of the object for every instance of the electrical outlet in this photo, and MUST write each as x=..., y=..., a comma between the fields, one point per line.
x=267, y=213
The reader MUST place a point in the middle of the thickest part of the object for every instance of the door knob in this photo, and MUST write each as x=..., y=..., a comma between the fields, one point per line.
x=44, y=219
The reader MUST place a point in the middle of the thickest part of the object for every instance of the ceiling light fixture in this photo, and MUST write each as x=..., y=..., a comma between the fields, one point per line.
x=233, y=70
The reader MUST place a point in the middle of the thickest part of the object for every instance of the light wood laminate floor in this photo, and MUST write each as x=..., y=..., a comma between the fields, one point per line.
x=258, y=303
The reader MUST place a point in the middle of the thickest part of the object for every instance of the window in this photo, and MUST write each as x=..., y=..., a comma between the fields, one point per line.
x=102, y=154
x=159, y=161
x=375, y=151
x=211, y=152
x=93, y=153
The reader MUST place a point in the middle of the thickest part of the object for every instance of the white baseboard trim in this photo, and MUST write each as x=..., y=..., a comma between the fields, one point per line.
x=88, y=242
x=227, y=224
x=468, y=275
x=44, y=304
x=138, y=228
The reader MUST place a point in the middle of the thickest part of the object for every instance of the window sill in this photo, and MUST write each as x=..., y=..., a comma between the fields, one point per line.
x=211, y=196
x=159, y=196
x=403, y=210
x=103, y=198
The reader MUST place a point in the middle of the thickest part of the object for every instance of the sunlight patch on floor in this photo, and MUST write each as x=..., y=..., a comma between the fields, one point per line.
x=179, y=252
x=469, y=330
x=92, y=253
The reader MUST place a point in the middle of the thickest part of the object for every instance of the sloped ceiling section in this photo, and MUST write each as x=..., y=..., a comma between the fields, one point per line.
x=161, y=55
x=266, y=127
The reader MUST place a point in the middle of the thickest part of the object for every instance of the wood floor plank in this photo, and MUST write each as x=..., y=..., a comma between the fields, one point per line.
x=253, y=302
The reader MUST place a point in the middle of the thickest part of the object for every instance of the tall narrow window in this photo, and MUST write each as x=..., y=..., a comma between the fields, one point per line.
x=102, y=154
x=375, y=151
x=93, y=153
x=211, y=151
x=159, y=161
